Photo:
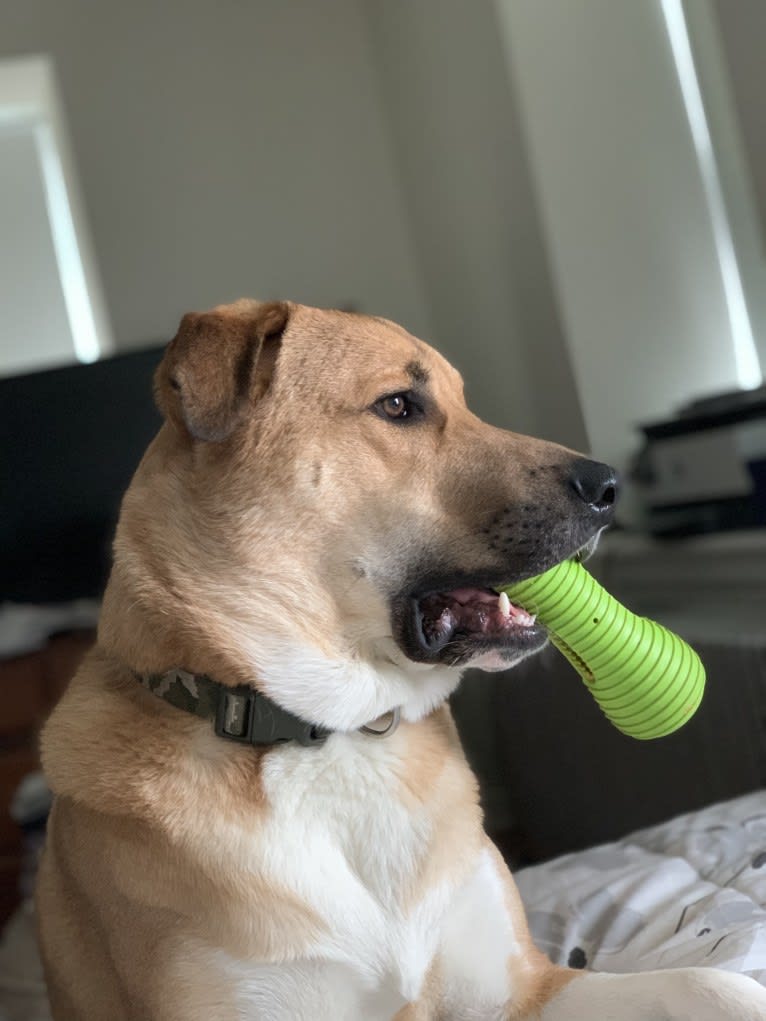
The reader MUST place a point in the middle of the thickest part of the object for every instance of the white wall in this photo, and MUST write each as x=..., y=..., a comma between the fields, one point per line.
x=624, y=211
x=224, y=149
x=378, y=153
x=360, y=152
x=461, y=159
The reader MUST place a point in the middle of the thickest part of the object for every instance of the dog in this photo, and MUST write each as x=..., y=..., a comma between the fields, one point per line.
x=262, y=809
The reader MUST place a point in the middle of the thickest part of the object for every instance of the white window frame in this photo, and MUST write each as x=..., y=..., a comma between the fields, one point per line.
x=29, y=100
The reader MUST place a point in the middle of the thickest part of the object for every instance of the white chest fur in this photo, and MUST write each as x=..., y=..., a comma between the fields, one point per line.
x=342, y=838
x=353, y=851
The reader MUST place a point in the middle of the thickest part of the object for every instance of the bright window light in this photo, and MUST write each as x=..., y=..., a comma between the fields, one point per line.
x=71, y=271
x=749, y=372
x=60, y=255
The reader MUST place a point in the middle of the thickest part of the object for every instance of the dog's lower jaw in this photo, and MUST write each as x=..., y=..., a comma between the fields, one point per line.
x=449, y=677
x=494, y=662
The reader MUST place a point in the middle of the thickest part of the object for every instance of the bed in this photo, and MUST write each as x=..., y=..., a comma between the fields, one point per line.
x=691, y=891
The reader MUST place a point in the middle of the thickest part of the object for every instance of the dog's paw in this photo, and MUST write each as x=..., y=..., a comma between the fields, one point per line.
x=686, y=994
x=706, y=994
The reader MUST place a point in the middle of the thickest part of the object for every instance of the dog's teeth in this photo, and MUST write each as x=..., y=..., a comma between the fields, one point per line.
x=521, y=617
x=446, y=620
x=504, y=604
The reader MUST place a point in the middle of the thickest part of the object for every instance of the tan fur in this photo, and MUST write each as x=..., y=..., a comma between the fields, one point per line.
x=264, y=497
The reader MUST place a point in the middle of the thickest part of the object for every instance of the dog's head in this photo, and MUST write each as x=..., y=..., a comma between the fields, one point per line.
x=323, y=516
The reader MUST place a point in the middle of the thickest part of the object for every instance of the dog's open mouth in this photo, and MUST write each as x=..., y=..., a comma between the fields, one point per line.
x=457, y=625
x=470, y=611
x=442, y=624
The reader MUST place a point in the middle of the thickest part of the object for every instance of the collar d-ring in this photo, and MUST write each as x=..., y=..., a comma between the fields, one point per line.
x=391, y=722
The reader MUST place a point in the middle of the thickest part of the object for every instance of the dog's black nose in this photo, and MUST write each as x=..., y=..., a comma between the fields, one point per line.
x=595, y=484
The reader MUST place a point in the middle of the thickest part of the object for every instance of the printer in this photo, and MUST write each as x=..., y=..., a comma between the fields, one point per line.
x=705, y=469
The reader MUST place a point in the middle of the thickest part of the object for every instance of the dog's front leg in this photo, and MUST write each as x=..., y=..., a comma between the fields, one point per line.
x=685, y=994
x=488, y=969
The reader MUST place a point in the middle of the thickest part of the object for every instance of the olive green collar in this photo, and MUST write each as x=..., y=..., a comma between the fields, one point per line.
x=243, y=714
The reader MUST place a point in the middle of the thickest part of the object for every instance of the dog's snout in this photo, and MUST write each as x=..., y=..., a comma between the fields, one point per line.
x=595, y=484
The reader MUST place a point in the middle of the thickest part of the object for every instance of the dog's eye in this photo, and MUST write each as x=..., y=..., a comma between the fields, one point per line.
x=398, y=407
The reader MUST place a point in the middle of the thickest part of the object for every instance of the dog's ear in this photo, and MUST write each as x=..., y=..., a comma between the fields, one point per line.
x=217, y=364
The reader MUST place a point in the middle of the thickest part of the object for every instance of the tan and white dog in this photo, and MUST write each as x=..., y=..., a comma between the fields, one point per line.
x=318, y=527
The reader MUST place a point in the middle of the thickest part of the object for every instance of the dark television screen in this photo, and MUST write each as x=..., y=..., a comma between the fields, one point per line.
x=70, y=440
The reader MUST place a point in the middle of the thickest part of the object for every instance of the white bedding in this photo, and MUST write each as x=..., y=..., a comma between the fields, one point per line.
x=689, y=892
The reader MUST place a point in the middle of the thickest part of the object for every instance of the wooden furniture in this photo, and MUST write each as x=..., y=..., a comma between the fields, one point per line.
x=30, y=686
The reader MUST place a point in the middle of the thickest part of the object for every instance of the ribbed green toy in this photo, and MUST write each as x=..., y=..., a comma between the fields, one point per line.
x=647, y=680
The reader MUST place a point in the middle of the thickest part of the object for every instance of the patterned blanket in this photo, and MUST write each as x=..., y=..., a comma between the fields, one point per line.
x=689, y=892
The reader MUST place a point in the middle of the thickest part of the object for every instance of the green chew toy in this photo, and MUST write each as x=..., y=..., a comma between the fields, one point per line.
x=646, y=680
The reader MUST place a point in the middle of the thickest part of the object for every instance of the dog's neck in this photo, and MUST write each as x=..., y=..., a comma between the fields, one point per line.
x=245, y=715
x=339, y=692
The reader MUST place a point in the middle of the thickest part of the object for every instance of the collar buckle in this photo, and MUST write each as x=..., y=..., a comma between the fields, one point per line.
x=245, y=716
